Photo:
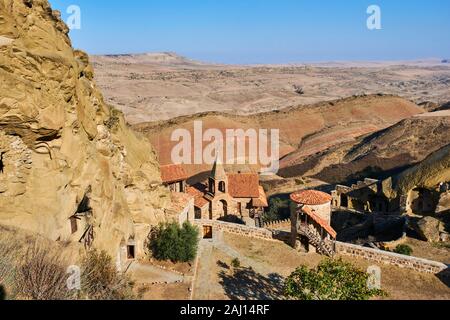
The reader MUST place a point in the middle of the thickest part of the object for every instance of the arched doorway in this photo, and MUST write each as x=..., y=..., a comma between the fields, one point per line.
x=344, y=200
x=223, y=208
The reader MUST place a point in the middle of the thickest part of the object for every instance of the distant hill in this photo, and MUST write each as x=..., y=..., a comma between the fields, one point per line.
x=163, y=58
x=382, y=153
x=304, y=130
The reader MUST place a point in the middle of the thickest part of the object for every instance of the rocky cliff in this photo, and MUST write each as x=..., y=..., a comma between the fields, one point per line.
x=68, y=161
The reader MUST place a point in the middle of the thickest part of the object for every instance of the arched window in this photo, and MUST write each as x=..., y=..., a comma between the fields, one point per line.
x=222, y=186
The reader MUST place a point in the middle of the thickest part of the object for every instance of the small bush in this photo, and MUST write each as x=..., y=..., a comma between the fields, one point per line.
x=175, y=243
x=8, y=255
x=100, y=280
x=331, y=280
x=236, y=263
x=403, y=249
x=41, y=276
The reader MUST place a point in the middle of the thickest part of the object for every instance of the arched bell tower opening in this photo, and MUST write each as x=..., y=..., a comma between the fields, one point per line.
x=218, y=181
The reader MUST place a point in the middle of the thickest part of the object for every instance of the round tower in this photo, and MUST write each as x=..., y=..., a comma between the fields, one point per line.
x=317, y=201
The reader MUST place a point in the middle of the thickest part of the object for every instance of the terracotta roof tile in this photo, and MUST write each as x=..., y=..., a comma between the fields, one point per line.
x=180, y=201
x=173, y=173
x=311, y=197
x=243, y=185
x=320, y=221
x=261, y=201
x=198, y=192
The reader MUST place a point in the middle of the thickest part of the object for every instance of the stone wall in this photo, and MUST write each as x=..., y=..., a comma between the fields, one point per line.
x=278, y=225
x=402, y=261
x=242, y=230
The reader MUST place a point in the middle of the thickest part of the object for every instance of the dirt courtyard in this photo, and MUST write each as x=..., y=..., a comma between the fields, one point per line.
x=265, y=264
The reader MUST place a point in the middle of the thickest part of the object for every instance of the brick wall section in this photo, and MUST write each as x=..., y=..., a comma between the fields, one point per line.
x=246, y=231
x=402, y=261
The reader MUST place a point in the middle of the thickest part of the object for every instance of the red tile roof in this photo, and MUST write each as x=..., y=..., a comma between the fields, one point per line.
x=243, y=185
x=320, y=221
x=173, y=173
x=180, y=201
x=262, y=200
x=198, y=192
x=311, y=197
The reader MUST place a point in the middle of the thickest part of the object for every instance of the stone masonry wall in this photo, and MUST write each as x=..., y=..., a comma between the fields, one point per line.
x=242, y=230
x=402, y=261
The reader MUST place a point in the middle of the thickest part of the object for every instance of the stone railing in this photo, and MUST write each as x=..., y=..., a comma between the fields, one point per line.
x=243, y=230
x=402, y=261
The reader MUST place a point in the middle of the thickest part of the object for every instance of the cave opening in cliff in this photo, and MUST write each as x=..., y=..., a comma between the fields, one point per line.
x=131, y=252
x=84, y=205
x=2, y=166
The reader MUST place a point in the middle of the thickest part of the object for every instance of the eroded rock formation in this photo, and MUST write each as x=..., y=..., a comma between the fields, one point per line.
x=60, y=143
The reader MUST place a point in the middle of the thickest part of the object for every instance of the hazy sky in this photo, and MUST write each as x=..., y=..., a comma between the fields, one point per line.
x=263, y=31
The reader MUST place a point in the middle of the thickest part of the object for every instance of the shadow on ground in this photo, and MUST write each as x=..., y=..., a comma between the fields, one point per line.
x=246, y=284
x=2, y=293
x=444, y=276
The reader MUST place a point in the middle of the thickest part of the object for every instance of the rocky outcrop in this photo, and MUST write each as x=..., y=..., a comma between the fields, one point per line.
x=61, y=145
x=429, y=229
x=428, y=174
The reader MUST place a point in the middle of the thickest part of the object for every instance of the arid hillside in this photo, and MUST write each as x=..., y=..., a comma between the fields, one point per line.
x=152, y=87
x=375, y=155
x=310, y=129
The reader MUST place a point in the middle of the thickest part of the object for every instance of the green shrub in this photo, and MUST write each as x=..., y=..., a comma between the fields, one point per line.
x=331, y=280
x=236, y=263
x=101, y=281
x=403, y=249
x=175, y=243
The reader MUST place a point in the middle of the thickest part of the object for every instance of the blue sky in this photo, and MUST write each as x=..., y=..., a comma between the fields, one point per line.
x=263, y=31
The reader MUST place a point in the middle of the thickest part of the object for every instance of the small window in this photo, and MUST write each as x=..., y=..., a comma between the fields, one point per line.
x=222, y=186
x=207, y=232
x=198, y=213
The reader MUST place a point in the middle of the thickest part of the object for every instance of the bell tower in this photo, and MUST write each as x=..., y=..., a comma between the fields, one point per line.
x=218, y=180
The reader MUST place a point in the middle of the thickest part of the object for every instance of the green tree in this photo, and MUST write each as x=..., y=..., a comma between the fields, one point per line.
x=331, y=280
x=175, y=243
x=278, y=210
x=403, y=249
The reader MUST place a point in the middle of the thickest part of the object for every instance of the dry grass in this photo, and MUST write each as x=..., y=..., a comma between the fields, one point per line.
x=100, y=280
x=42, y=275
x=34, y=268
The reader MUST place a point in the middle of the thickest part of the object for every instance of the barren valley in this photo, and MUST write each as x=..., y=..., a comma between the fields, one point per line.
x=152, y=87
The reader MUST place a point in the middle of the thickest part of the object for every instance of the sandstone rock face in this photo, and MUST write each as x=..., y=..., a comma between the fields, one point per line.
x=60, y=143
x=429, y=229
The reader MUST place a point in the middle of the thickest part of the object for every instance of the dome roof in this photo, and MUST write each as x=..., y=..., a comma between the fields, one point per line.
x=311, y=197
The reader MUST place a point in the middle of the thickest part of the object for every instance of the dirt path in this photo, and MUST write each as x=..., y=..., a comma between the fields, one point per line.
x=203, y=286
x=148, y=274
